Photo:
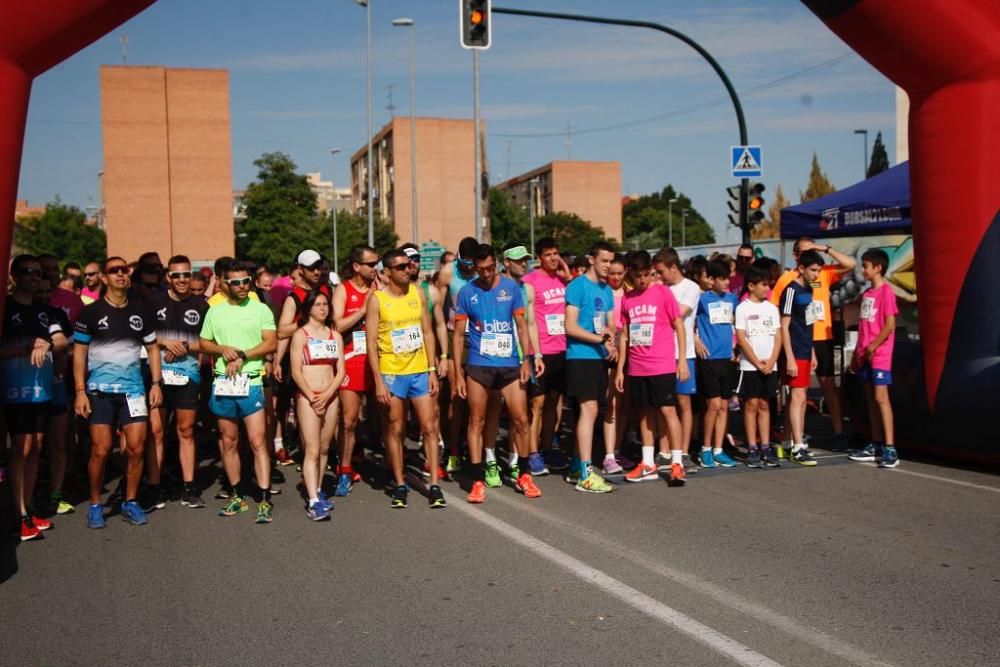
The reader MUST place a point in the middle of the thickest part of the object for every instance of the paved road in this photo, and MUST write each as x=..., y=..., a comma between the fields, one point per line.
x=841, y=564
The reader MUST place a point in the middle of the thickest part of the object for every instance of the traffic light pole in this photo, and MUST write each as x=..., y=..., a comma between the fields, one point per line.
x=744, y=183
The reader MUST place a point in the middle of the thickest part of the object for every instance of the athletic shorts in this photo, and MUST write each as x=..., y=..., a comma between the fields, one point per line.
x=715, y=378
x=358, y=375
x=110, y=409
x=652, y=391
x=410, y=385
x=181, y=397
x=690, y=386
x=27, y=418
x=824, y=358
x=754, y=384
x=60, y=399
x=554, y=378
x=801, y=381
x=493, y=377
x=875, y=376
x=587, y=379
x=237, y=407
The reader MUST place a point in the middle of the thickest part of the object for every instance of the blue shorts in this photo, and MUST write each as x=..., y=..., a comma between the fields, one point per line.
x=237, y=407
x=690, y=386
x=411, y=385
x=874, y=376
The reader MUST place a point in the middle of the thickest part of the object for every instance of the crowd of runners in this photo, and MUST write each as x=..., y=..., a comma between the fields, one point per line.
x=155, y=367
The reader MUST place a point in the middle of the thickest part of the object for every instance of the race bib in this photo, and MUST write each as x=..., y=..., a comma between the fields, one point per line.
x=819, y=310
x=640, y=335
x=868, y=309
x=496, y=345
x=136, y=405
x=555, y=324
x=599, y=321
x=810, y=313
x=238, y=385
x=323, y=348
x=763, y=325
x=407, y=339
x=173, y=378
x=360, y=342
x=720, y=312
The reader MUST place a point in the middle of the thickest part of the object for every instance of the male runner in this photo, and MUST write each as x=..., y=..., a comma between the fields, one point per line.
x=91, y=283
x=489, y=311
x=109, y=387
x=400, y=342
x=240, y=332
x=178, y=317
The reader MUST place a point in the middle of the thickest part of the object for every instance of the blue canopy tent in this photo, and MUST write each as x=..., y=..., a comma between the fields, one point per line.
x=878, y=205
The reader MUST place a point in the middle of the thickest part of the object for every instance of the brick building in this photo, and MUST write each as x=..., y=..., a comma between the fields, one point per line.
x=167, y=181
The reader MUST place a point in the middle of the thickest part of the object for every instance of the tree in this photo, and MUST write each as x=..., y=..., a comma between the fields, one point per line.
x=771, y=228
x=819, y=184
x=880, y=160
x=61, y=231
x=508, y=221
x=352, y=230
x=574, y=235
x=648, y=219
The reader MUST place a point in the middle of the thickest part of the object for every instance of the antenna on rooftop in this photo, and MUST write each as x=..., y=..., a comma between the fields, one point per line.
x=389, y=105
x=124, y=42
x=569, y=140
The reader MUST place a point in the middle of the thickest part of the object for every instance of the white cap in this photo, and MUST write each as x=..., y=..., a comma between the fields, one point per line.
x=308, y=258
x=411, y=252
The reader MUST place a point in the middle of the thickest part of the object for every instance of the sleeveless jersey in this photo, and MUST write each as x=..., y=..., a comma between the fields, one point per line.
x=400, y=334
x=354, y=300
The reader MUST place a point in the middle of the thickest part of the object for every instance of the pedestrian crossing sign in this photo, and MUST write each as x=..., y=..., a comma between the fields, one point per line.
x=746, y=162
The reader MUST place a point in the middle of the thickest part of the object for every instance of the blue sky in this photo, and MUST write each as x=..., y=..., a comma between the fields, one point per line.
x=297, y=84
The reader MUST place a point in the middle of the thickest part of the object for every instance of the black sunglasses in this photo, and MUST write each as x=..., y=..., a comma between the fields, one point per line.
x=414, y=259
x=91, y=274
x=315, y=267
x=116, y=270
x=400, y=267
x=179, y=274
x=370, y=265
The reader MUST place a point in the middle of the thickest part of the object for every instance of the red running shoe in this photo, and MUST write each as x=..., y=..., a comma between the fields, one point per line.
x=40, y=523
x=283, y=457
x=478, y=493
x=29, y=530
x=526, y=485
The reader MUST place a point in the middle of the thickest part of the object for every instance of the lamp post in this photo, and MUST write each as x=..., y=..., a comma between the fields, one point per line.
x=670, y=220
x=368, y=60
x=408, y=23
x=864, y=158
x=684, y=227
x=336, y=255
x=533, y=193
x=478, y=147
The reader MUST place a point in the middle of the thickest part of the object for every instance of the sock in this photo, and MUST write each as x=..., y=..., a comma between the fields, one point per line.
x=676, y=456
x=514, y=458
x=313, y=501
x=764, y=446
x=574, y=464
x=491, y=455
x=481, y=472
x=585, y=468
x=265, y=494
x=279, y=444
x=717, y=450
x=647, y=455
x=346, y=470
x=24, y=515
x=797, y=447
x=752, y=447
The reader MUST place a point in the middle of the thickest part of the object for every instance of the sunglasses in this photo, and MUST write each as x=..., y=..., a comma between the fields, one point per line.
x=179, y=274
x=370, y=265
x=91, y=274
x=744, y=256
x=238, y=282
x=34, y=273
x=116, y=270
x=465, y=262
x=400, y=267
x=314, y=267
x=414, y=259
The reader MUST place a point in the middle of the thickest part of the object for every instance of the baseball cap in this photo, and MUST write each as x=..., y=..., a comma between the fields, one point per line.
x=308, y=258
x=411, y=252
x=516, y=253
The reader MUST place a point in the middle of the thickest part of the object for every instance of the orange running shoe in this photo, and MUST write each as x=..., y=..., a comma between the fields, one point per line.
x=526, y=485
x=478, y=492
x=677, y=477
x=643, y=473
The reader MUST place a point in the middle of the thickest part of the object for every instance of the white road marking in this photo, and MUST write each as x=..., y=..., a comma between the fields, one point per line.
x=936, y=478
x=790, y=626
x=716, y=641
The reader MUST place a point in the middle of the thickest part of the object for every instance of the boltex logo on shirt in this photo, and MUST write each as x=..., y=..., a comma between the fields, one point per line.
x=15, y=319
x=504, y=295
x=192, y=317
x=135, y=322
x=103, y=323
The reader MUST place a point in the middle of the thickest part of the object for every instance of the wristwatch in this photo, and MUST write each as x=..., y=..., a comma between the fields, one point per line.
x=242, y=355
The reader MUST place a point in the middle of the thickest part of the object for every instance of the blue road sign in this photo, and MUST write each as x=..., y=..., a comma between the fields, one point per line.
x=746, y=162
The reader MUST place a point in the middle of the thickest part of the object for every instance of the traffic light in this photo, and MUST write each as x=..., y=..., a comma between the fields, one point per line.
x=755, y=203
x=474, y=23
x=734, y=192
x=750, y=200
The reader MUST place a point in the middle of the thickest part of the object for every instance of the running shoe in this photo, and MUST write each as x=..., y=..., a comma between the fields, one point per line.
x=191, y=498
x=572, y=477
x=283, y=457
x=152, y=499
x=536, y=465
x=707, y=461
x=624, y=461
x=224, y=492
x=40, y=523
x=890, y=459
x=555, y=459
x=753, y=459
x=780, y=452
x=514, y=472
x=643, y=473
x=723, y=459
x=803, y=457
x=426, y=472
x=326, y=502
x=318, y=511
x=237, y=505
x=734, y=404
x=677, y=476
x=132, y=513
x=57, y=500
x=840, y=442
x=689, y=465
x=871, y=452
x=663, y=461
x=435, y=497
x=594, y=483
x=611, y=466
x=95, y=515
x=343, y=485
x=28, y=530
x=454, y=464
x=526, y=485
x=477, y=494
x=493, y=475
x=264, y=512
x=399, y=497
x=770, y=460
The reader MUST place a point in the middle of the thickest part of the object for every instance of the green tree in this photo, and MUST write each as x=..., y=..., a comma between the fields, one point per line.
x=648, y=221
x=352, y=230
x=771, y=227
x=508, y=221
x=61, y=231
x=573, y=234
x=880, y=159
x=819, y=184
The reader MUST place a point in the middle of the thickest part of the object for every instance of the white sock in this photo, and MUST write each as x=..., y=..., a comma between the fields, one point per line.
x=647, y=455
x=797, y=447
x=676, y=456
x=278, y=444
x=313, y=501
x=491, y=455
x=787, y=444
x=514, y=459
x=717, y=450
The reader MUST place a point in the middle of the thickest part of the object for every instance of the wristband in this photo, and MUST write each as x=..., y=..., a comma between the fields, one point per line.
x=242, y=355
x=538, y=355
x=444, y=357
x=81, y=387
x=432, y=369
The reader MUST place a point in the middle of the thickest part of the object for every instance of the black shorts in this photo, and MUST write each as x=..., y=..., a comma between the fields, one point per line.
x=754, y=384
x=587, y=379
x=715, y=378
x=553, y=380
x=493, y=377
x=27, y=418
x=111, y=409
x=824, y=358
x=652, y=391
x=181, y=397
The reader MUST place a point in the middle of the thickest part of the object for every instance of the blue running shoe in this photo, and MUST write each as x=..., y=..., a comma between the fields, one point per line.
x=132, y=513
x=707, y=460
x=343, y=486
x=723, y=459
x=324, y=501
x=95, y=516
x=318, y=512
x=890, y=457
x=871, y=452
x=555, y=460
x=536, y=465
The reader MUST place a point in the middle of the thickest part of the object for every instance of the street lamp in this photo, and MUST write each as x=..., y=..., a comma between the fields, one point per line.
x=336, y=255
x=670, y=220
x=368, y=59
x=408, y=23
x=533, y=193
x=684, y=227
x=864, y=158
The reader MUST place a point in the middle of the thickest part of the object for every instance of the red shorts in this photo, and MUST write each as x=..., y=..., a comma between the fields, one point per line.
x=358, y=376
x=801, y=381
